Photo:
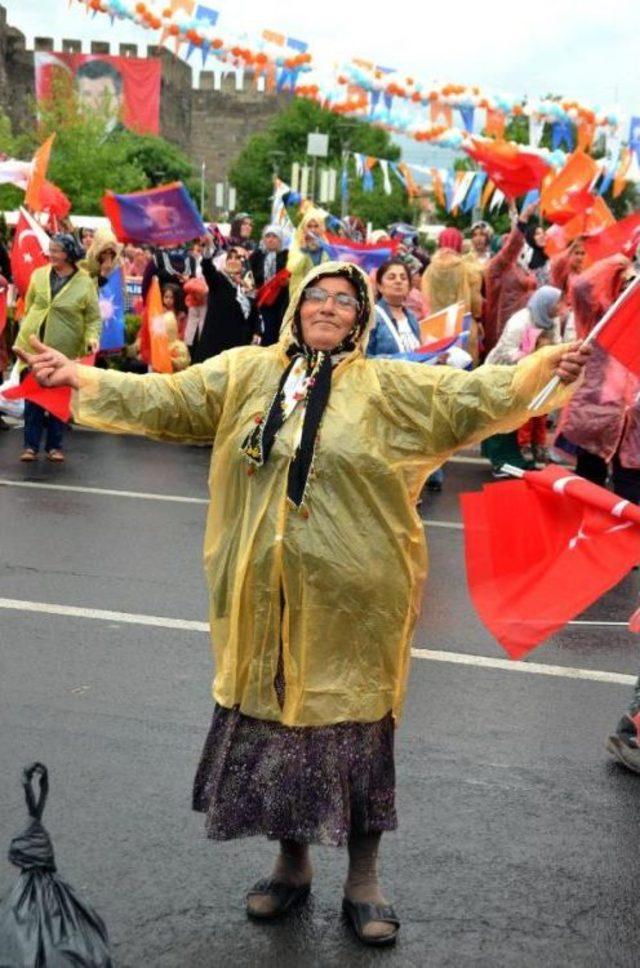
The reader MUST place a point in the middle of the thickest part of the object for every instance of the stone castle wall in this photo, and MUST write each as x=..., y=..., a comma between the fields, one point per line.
x=211, y=126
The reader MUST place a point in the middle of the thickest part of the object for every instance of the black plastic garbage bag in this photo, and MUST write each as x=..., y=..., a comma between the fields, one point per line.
x=43, y=922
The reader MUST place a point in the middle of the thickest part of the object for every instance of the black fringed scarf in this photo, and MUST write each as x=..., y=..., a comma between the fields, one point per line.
x=306, y=380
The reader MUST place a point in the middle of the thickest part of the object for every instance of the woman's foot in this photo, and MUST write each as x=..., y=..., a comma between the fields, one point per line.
x=56, y=456
x=28, y=454
x=288, y=885
x=363, y=894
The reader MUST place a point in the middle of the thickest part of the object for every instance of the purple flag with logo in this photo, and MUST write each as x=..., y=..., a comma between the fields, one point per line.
x=162, y=216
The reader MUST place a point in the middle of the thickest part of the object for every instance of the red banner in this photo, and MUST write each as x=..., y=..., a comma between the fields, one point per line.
x=126, y=89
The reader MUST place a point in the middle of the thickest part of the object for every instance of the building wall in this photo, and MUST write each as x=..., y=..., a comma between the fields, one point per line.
x=211, y=126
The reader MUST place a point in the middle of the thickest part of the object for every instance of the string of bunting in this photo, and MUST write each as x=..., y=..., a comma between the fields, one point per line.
x=382, y=95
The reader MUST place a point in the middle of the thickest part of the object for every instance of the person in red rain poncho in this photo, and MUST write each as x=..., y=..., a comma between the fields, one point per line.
x=508, y=285
x=602, y=422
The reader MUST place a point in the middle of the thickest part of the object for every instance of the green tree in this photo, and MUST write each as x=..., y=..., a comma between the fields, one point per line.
x=161, y=161
x=285, y=141
x=86, y=160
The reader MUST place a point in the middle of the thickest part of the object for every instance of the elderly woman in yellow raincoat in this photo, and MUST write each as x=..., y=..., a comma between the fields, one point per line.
x=315, y=559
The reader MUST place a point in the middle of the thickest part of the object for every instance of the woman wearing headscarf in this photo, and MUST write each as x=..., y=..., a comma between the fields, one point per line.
x=232, y=317
x=536, y=256
x=315, y=559
x=61, y=308
x=240, y=233
x=306, y=251
x=265, y=263
x=542, y=312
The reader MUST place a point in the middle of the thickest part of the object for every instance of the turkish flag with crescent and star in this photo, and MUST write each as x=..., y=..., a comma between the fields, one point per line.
x=541, y=549
x=29, y=251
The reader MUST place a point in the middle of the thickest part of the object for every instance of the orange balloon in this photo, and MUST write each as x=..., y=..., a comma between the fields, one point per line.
x=217, y=44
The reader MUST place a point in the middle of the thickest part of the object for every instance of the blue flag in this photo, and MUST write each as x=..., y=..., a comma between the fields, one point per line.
x=634, y=137
x=111, y=302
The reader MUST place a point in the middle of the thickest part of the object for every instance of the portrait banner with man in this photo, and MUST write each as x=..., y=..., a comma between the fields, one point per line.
x=126, y=90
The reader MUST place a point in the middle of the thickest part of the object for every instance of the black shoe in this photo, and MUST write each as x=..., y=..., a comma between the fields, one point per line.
x=286, y=895
x=359, y=915
x=623, y=744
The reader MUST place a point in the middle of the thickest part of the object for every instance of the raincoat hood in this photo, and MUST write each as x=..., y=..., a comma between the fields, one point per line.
x=290, y=334
x=103, y=240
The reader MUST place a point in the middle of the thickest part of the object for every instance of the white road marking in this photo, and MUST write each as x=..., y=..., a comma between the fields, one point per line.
x=458, y=658
x=535, y=668
x=106, y=492
x=145, y=496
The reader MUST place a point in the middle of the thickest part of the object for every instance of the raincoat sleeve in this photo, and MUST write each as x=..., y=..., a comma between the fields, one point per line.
x=445, y=409
x=183, y=407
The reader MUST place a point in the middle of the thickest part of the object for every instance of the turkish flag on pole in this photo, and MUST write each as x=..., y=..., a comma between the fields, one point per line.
x=513, y=169
x=29, y=251
x=541, y=549
x=621, y=334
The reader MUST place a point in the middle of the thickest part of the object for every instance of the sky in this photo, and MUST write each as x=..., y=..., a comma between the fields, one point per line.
x=581, y=49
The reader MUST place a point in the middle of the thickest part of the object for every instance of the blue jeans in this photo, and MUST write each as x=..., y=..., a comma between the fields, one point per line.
x=36, y=421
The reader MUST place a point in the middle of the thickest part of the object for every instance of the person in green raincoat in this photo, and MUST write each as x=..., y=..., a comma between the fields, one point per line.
x=315, y=559
x=61, y=308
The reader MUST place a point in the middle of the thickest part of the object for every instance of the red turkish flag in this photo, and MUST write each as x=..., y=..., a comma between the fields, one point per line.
x=541, y=549
x=620, y=336
x=568, y=193
x=515, y=171
x=29, y=251
x=55, y=400
x=622, y=236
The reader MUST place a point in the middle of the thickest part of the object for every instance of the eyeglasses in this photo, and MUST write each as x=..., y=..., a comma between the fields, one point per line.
x=344, y=302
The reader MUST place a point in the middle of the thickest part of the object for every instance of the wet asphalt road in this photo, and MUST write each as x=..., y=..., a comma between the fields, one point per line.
x=517, y=843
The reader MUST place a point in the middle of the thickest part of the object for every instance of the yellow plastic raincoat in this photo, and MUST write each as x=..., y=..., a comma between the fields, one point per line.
x=337, y=584
x=68, y=322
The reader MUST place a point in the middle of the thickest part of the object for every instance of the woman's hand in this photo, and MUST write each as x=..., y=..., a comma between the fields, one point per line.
x=572, y=362
x=50, y=367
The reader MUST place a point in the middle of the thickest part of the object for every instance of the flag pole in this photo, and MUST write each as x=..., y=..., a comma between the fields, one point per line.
x=548, y=389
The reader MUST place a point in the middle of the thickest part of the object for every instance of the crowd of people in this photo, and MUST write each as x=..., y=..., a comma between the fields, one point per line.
x=325, y=420
x=233, y=289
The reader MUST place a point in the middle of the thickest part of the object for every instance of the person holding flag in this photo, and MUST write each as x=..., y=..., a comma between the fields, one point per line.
x=603, y=419
x=315, y=559
x=61, y=308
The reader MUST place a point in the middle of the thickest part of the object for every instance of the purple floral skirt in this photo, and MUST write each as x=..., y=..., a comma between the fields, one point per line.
x=311, y=784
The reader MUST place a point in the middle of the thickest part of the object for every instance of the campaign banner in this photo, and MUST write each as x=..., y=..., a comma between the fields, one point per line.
x=125, y=89
x=162, y=216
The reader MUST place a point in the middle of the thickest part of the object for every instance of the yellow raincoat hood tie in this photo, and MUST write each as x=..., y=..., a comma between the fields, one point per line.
x=333, y=586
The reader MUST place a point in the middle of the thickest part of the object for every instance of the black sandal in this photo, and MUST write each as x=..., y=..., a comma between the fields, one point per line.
x=359, y=915
x=286, y=895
